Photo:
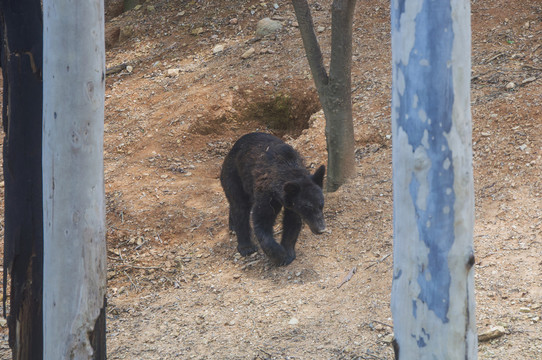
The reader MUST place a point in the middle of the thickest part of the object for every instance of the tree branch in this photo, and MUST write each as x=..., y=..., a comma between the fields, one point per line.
x=310, y=43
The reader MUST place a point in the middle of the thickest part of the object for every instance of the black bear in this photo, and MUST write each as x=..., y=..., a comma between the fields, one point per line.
x=261, y=175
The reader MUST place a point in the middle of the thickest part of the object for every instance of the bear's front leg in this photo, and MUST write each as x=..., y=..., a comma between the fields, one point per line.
x=263, y=219
x=291, y=226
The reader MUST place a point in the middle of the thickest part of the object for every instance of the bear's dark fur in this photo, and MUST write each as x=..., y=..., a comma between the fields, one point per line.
x=261, y=175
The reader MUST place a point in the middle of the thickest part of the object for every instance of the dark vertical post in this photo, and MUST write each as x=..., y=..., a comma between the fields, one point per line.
x=21, y=50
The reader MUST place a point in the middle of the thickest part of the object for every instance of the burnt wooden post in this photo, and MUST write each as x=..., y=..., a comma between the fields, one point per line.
x=21, y=60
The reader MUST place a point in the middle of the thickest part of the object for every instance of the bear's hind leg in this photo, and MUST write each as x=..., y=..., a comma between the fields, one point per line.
x=240, y=223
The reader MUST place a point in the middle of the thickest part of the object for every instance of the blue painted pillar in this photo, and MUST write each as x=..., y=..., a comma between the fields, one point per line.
x=432, y=295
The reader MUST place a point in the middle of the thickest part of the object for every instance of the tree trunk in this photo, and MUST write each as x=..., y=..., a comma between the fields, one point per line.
x=21, y=58
x=433, y=285
x=74, y=205
x=334, y=90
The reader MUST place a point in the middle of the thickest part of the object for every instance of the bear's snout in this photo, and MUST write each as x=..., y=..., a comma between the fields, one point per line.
x=317, y=227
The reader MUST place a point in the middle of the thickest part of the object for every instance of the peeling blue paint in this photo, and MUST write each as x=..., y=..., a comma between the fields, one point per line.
x=430, y=59
x=421, y=342
x=401, y=4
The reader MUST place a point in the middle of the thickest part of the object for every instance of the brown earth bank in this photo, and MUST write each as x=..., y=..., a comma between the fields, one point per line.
x=183, y=93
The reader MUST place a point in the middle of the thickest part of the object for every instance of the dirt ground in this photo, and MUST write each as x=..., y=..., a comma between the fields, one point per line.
x=177, y=288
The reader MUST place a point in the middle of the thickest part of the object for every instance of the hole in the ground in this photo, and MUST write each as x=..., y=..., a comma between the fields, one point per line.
x=283, y=112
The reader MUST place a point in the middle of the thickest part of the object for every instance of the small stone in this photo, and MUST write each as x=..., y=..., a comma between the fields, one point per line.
x=295, y=24
x=528, y=80
x=218, y=49
x=236, y=276
x=248, y=53
x=524, y=309
x=234, y=21
x=230, y=323
x=510, y=85
x=129, y=68
x=320, y=29
x=388, y=339
x=527, y=25
x=2, y=184
x=173, y=72
x=181, y=13
x=137, y=7
x=522, y=148
x=150, y=8
x=492, y=333
x=3, y=322
x=267, y=26
x=293, y=321
x=486, y=134
x=196, y=31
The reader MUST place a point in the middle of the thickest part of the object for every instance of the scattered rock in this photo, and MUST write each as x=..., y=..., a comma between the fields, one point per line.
x=320, y=29
x=493, y=333
x=129, y=68
x=196, y=31
x=173, y=72
x=248, y=53
x=388, y=339
x=522, y=148
x=528, y=80
x=293, y=321
x=218, y=49
x=267, y=26
x=234, y=21
x=510, y=85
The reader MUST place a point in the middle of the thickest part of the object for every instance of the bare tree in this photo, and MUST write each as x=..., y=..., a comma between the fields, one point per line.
x=73, y=183
x=334, y=89
x=21, y=59
x=433, y=277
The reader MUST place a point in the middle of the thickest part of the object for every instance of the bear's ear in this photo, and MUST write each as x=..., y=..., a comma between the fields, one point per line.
x=291, y=188
x=318, y=176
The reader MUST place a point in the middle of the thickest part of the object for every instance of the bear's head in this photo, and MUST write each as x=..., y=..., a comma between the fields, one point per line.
x=305, y=197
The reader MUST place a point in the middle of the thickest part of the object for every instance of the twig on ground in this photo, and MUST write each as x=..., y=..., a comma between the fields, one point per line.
x=493, y=58
x=381, y=323
x=347, y=277
x=250, y=264
x=378, y=261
